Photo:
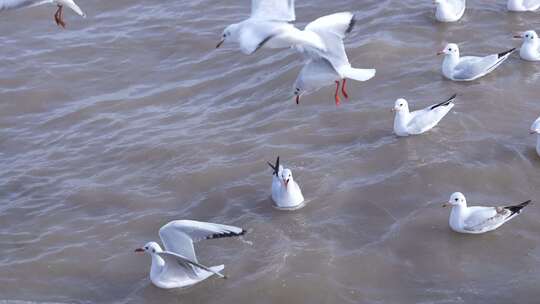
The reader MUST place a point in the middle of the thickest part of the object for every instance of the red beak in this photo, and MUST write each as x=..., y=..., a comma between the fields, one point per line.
x=139, y=250
x=440, y=53
x=286, y=183
x=518, y=36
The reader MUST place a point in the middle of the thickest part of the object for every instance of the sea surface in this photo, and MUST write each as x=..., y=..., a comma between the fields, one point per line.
x=131, y=118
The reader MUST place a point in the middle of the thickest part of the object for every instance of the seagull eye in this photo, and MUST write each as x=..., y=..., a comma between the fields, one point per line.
x=450, y=49
x=153, y=251
x=146, y=248
x=456, y=199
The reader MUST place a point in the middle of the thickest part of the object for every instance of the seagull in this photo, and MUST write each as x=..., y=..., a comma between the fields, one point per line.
x=286, y=193
x=535, y=129
x=58, y=16
x=177, y=265
x=324, y=67
x=449, y=10
x=478, y=219
x=469, y=68
x=413, y=123
x=522, y=5
x=268, y=26
x=530, y=48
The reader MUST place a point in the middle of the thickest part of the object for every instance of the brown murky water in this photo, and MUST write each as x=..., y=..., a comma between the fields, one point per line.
x=130, y=118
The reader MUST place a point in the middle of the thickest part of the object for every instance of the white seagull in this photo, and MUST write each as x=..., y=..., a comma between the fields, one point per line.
x=535, y=129
x=469, y=68
x=478, y=219
x=286, y=193
x=412, y=123
x=522, y=5
x=58, y=16
x=269, y=26
x=449, y=10
x=177, y=265
x=332, y=65
x=530, y=48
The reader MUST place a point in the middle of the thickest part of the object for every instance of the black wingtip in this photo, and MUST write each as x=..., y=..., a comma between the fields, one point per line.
x=351, y=24
x=452, y=97
x=506, y=52
x=274, y=167
x=517, y=208
x=226, y=234
x=444, y=103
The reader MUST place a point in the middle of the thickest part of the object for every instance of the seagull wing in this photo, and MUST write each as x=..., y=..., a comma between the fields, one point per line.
x=429, y=117
x=471, y=67
x=316, y=73
x=531, y=4
x=178, y=236
x=255, y=34
x=483, y=219
x=273, y=10
x=15, y=4
x=178, y=267
x=332, y=29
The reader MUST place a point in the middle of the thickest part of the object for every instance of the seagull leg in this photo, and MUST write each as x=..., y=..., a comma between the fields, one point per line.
x=336, y=95
x=59, y=17
x=297, y=99
x=344, y=88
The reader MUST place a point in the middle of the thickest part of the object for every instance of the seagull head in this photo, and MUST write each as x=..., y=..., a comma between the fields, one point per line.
x=449, y=49
x=298, y=92
x=150, y=248
x=457, y=198
x=400, y=105
x=535, y=127
x=528, y=36
x=228, y=32
x=286, y=177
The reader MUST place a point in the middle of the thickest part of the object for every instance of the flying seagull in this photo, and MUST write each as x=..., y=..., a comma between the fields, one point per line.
x=58, y=16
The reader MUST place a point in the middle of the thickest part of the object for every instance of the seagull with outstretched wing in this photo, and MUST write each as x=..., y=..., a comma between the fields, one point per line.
x=177, y=266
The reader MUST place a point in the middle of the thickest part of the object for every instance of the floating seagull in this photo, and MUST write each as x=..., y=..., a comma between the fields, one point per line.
x=268, y=26
x=58, y=16
x=449, y=10
x=530, y=48
x=177, y=266
x=412, y=123
x=469, y=68
x=522, y=5
x=479, y=219
x=535, y=129
x=332, y=65
x=286, y=193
